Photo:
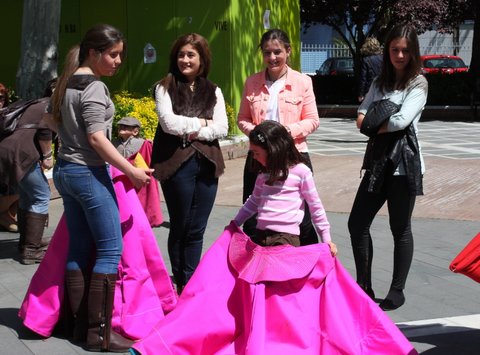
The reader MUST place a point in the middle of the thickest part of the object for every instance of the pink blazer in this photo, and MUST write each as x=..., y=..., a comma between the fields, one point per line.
x=296, y=104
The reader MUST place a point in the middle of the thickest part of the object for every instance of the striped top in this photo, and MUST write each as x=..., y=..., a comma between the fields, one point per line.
x=281, y=206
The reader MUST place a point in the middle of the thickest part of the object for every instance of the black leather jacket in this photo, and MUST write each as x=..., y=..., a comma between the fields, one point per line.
x=385, y=151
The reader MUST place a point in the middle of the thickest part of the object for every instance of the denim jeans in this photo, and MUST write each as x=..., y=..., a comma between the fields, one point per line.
x=366, y=205
x=34, y=191
x=189, y=195
x=92, y=216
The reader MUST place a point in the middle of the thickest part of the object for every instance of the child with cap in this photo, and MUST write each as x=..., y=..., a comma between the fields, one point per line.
x=138, y=151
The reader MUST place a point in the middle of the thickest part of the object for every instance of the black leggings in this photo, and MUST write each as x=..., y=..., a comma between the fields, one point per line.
x=400, y=207
x=308, y=235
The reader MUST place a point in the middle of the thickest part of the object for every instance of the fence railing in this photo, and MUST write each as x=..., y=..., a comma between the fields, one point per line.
x=313, y=55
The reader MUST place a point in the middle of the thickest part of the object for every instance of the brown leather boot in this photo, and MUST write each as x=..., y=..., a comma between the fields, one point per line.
x=33, y=251
x=100, y=335
x=76, y=287
x=22, y=221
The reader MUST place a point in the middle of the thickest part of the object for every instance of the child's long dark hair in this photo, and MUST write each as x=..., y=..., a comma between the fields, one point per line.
x=280, y=147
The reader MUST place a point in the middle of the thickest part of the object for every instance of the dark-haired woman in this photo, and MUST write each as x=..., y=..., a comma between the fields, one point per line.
x=284, y=95
x=393, y=164
x=186, y=152
x=82, y=108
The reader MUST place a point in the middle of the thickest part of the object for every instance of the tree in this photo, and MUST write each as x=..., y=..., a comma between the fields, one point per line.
x=39, y=54
x=354, y=20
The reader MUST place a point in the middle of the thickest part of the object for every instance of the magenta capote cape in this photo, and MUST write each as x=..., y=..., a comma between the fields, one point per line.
x=149, y=195
x=248, y=299
x=143, y=291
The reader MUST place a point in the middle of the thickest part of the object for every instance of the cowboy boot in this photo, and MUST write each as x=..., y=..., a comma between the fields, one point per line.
x=76, y=283
x=101, y=336
x=22, y=221
x=33, y=251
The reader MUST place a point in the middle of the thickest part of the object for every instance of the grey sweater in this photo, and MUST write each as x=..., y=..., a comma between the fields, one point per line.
x=84, y=111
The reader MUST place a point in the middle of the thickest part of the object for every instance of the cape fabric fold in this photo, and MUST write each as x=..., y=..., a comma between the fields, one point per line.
x=149, y=195
x=247, y=299
x=143, y=291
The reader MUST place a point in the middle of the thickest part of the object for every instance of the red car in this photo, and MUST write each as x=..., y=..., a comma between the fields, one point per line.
x=443, y=64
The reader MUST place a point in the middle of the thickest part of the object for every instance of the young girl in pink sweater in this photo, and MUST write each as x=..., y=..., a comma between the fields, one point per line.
x=274, y=298
x=283, y=186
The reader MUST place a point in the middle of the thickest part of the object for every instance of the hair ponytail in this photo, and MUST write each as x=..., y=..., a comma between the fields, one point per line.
x=71, y=65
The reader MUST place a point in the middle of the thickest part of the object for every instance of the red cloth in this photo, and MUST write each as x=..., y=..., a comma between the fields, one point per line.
x=467, y=262
x=248, y=299
x=149, y=195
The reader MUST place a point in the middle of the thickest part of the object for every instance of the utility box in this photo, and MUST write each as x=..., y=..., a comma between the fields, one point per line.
x=233, y=29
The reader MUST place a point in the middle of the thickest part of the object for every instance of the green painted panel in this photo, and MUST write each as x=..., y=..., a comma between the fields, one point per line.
x=11, y=20
x=147, y=23
x=79, y=15
x=232, y=27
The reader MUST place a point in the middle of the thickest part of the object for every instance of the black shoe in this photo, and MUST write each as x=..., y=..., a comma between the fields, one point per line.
x=394, y=300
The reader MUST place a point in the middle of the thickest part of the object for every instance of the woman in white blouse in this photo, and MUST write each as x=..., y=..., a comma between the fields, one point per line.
x=186, y=152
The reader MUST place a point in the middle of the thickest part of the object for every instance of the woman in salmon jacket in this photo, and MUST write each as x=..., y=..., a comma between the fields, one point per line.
x=284, y=95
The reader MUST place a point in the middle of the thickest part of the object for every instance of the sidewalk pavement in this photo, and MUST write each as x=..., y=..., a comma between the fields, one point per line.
x=441, y=313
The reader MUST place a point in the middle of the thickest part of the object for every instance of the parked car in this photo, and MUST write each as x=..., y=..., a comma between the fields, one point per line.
x=442, y=63
x=337, y=66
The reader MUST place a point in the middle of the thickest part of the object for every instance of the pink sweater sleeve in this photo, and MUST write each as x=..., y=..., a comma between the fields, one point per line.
x=250, y=207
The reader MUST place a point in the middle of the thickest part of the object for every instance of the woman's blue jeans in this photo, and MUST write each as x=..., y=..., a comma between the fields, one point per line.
x=34, y=191
x=189, y=195
x=92, y=216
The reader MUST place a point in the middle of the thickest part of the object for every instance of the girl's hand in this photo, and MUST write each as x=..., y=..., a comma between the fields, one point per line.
x=140, y=177
x=333, y=248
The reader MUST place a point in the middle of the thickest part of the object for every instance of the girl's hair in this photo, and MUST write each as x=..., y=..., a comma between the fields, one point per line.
x=4, y=94
x=387, y=80
x=280, y=147
x=275, y=34
x=201, y=46
x=371, y=46
x=99, y=38
x=175, y=80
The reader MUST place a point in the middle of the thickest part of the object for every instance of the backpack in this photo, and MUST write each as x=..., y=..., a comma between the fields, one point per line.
x=10, y=115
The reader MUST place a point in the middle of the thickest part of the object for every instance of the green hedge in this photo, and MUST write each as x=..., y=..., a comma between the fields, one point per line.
x=443, y=89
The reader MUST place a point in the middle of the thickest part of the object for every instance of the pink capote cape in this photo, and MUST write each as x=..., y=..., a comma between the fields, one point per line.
x=149, y=195
x=143, y=291
x=252, y=300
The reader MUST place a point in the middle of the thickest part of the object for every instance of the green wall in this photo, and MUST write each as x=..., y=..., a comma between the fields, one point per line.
x=232, y=27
